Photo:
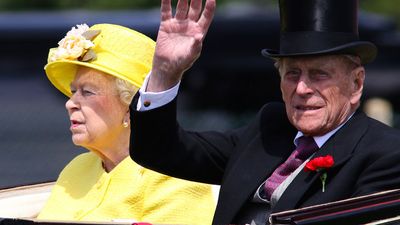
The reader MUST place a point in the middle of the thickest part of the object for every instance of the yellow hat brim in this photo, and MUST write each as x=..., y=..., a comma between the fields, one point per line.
x=120, y=52
x=61, y=73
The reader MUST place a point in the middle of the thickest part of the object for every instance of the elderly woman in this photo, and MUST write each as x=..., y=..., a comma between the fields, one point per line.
x=100, y=69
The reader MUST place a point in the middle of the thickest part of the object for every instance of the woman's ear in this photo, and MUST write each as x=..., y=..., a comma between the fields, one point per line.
x=127, y=119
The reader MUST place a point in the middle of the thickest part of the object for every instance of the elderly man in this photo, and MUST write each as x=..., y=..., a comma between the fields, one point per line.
x=316, y=148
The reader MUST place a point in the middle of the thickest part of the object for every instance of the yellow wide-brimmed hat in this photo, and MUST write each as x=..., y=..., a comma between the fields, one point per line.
x=113, y=49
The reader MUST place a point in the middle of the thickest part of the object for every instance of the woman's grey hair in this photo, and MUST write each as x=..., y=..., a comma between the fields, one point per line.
x=125, y=90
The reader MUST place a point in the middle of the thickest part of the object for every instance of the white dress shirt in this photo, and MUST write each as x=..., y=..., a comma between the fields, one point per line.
x=152, y=100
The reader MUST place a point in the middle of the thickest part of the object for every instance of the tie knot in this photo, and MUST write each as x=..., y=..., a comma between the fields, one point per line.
x=306, y=147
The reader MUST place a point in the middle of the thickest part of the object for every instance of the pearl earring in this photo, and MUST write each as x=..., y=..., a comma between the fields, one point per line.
x=125, y=124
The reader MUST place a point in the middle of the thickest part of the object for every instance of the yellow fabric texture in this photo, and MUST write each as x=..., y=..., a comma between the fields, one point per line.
x=84, y=191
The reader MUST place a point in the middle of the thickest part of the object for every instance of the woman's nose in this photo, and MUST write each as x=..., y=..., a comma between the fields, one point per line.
x=72, y=103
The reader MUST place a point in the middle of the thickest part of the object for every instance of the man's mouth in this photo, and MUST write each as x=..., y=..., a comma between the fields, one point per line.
x=307, y=108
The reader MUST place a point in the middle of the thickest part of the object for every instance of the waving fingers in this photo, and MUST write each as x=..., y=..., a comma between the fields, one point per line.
x=166, y=10
x=207, y=15
x=195, y=10
x=181, y=10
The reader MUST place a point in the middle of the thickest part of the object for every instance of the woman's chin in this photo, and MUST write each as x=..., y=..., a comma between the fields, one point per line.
x=78, y=140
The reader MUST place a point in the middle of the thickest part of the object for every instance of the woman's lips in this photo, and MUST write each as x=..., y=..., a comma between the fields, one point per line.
x=75, y=123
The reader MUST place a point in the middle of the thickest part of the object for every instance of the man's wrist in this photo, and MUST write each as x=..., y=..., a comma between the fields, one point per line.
x=149, y=100
x=159, y=81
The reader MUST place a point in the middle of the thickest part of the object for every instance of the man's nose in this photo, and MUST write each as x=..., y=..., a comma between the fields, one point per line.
x=304, y=87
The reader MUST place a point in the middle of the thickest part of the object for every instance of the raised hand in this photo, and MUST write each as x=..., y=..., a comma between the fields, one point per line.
x=179, y=41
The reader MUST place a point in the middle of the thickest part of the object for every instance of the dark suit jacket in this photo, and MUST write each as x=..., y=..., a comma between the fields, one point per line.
x=366, y=154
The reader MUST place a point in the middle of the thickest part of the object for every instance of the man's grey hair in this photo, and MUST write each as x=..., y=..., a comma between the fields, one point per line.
x=353, y=59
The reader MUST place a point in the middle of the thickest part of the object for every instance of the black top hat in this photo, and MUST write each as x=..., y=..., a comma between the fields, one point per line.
x=320, y=27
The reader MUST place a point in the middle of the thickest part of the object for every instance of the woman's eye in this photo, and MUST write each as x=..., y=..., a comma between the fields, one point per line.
x=87, y=92
x=73, y=91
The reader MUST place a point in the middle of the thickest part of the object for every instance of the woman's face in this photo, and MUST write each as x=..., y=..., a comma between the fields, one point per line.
x=95, y=110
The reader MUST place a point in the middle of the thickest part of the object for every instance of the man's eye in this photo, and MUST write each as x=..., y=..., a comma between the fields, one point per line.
x=292, y=74
x=73, y=91
x=321, y=76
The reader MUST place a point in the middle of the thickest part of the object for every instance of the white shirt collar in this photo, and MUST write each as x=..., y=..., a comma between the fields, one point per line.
x=320, y=140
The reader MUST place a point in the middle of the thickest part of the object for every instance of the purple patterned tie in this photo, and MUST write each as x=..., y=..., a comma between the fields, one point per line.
x=305, y=148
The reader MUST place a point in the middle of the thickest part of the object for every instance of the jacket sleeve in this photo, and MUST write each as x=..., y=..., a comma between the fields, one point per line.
x=160, y=144
x=382, y=173
x=380, y=152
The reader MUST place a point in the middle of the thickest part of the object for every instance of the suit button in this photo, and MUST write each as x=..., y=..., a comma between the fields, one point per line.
x=146, y=103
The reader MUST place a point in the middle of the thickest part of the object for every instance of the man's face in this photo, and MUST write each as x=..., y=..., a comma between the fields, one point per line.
x=320, y=92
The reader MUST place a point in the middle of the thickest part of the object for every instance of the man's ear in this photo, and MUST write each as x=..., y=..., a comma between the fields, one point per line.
x=357, y=85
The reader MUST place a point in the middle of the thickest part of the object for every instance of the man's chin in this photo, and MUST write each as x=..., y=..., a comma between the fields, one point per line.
x=309, y=114
x=309, y=129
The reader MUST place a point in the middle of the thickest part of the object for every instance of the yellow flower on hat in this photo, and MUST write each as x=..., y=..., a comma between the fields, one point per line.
x=116, y=50
x=73, y=45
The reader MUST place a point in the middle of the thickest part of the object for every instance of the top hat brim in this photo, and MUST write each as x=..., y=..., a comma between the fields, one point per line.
x=367, y=51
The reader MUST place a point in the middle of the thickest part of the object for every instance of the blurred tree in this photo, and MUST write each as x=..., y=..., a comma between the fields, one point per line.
x=108, y=4
x=27, y=4
x=81, y=4
x=387, y=7
x=73, y=4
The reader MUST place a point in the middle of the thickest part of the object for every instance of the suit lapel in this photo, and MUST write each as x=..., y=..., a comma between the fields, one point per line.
x=262, y=155
x=341, y=146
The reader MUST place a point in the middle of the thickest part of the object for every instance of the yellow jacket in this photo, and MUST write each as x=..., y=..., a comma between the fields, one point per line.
x=84, y=191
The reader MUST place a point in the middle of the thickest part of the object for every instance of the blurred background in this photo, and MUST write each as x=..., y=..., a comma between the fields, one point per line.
x=223, y=90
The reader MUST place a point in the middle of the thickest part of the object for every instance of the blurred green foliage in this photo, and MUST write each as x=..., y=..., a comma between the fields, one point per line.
x=12, y=5
x=391, y=7
x=76, y=4
x=386, y=7
x=80, y=4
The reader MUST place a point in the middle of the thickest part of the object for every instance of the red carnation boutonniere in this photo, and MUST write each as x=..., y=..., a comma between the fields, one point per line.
x=320, y=164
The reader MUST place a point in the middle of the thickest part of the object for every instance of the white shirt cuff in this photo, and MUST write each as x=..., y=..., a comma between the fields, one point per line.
x=152, y=100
